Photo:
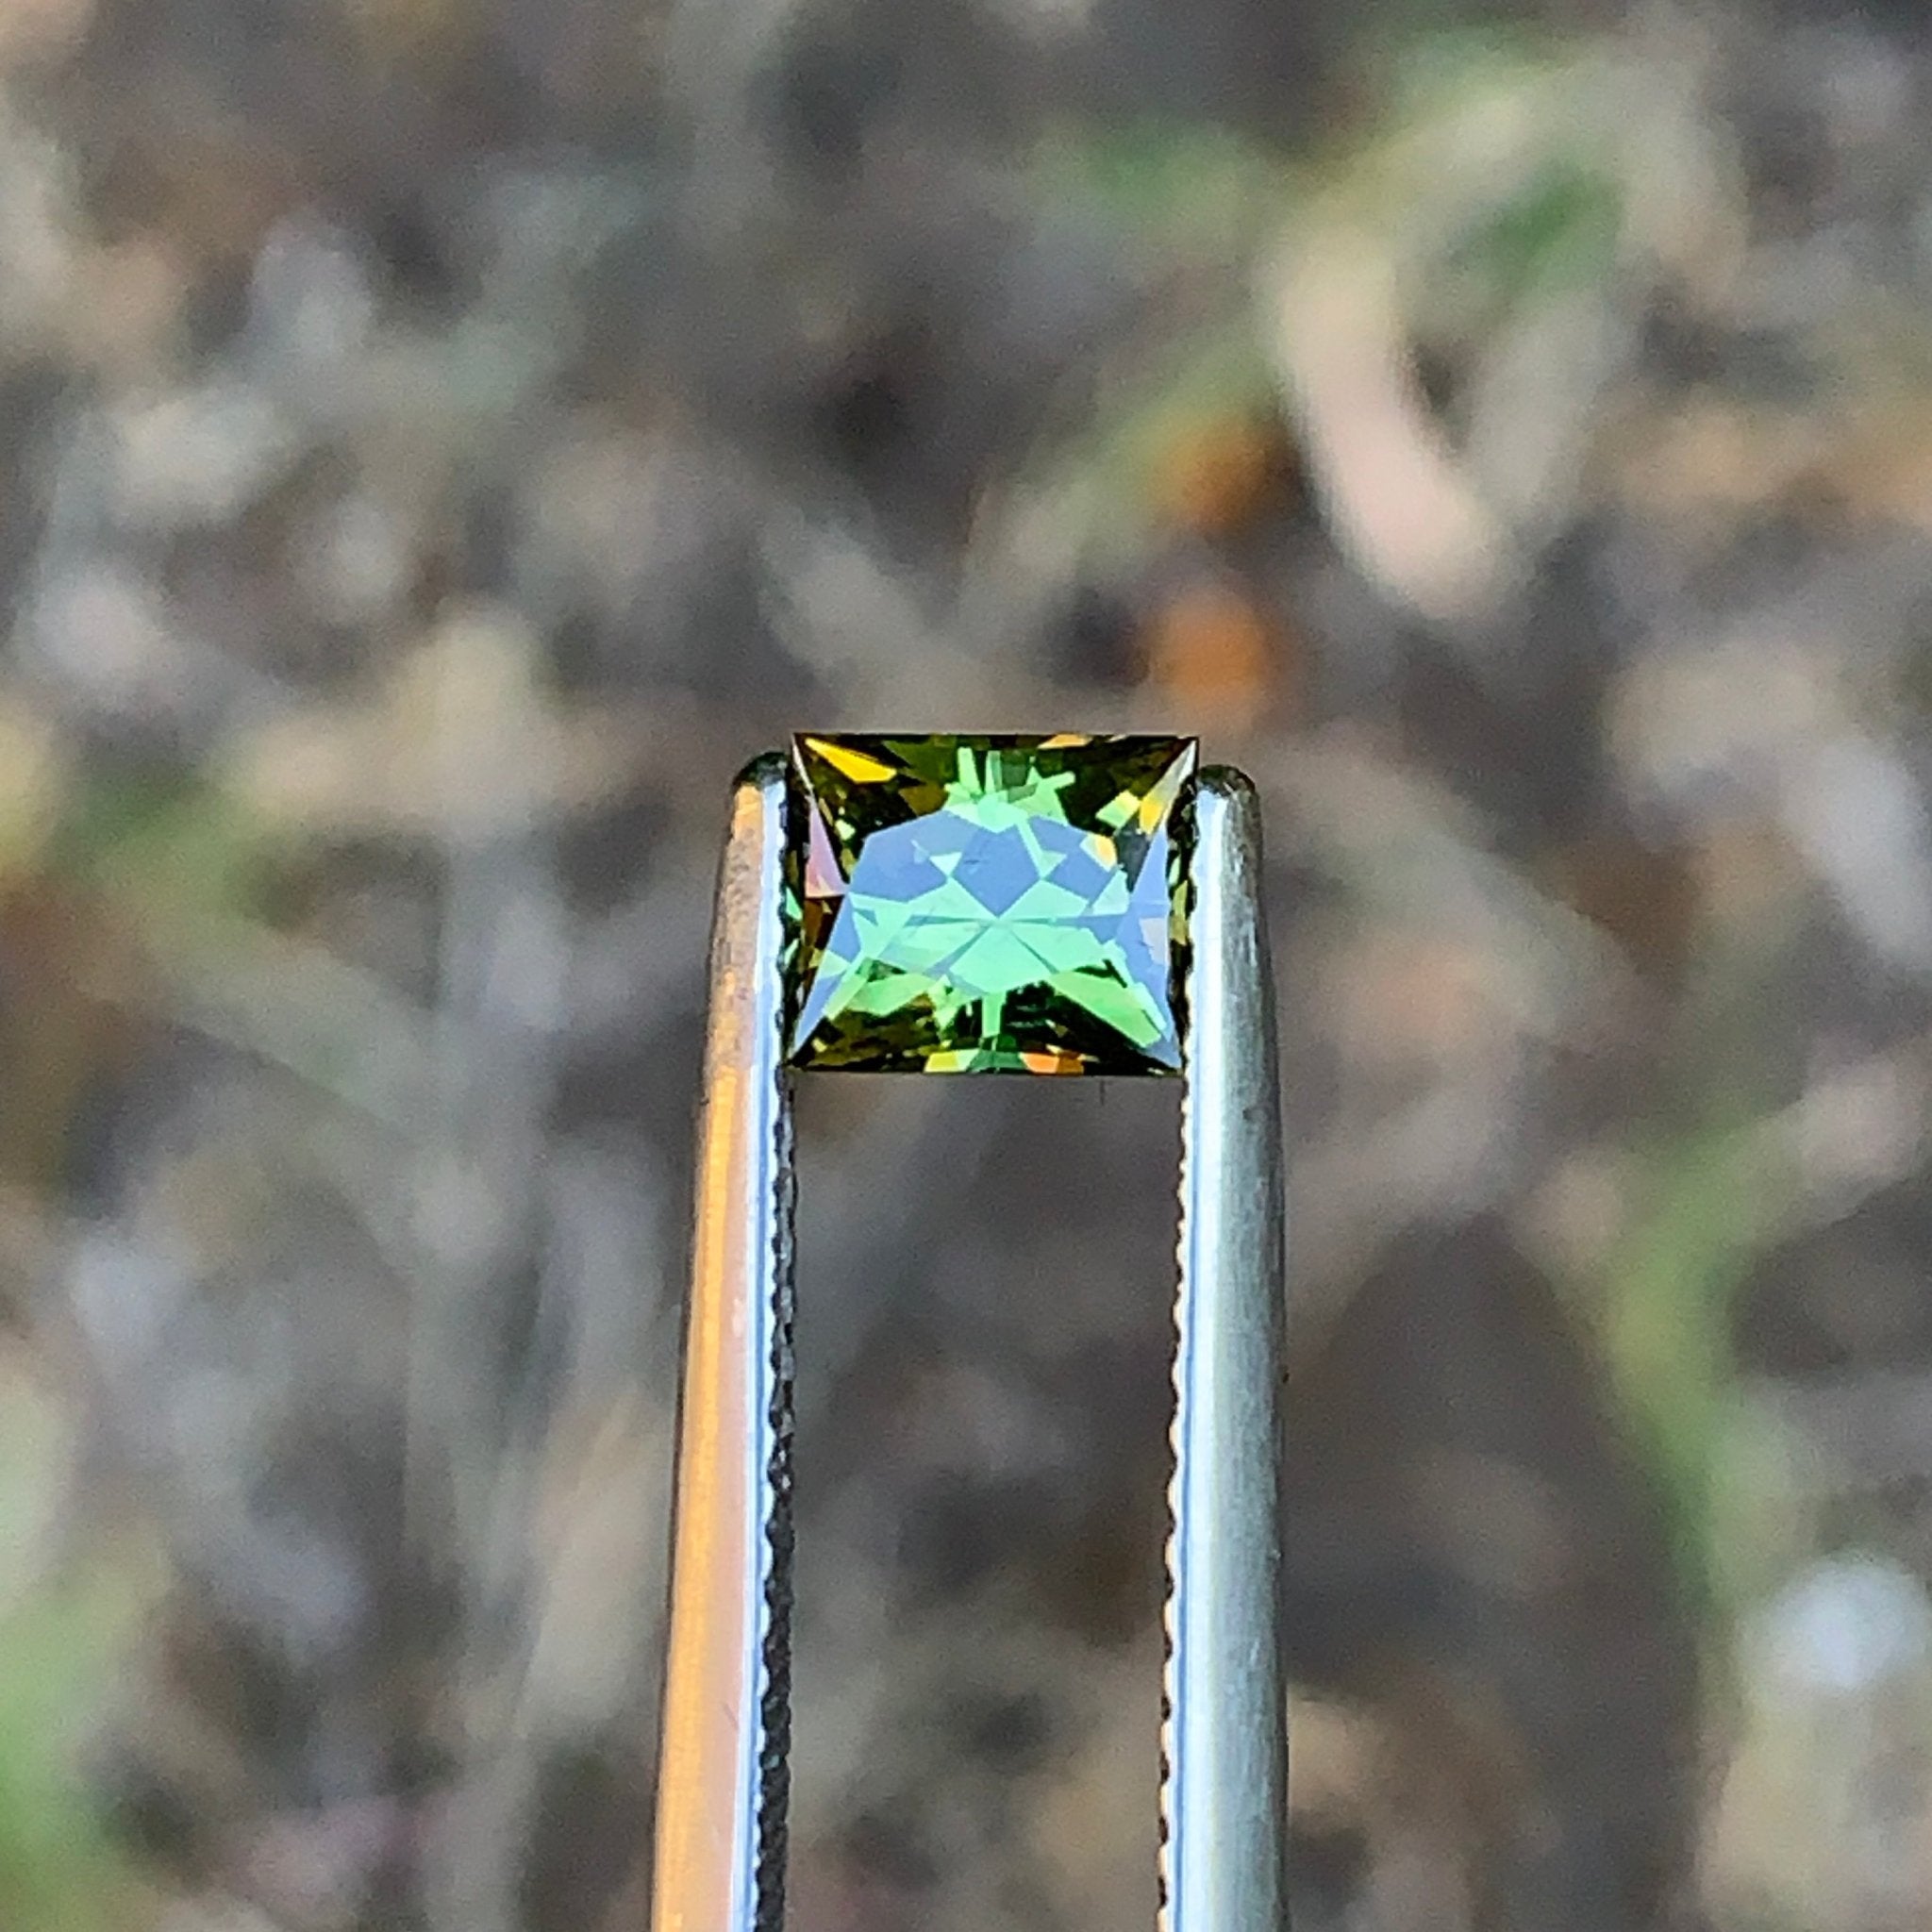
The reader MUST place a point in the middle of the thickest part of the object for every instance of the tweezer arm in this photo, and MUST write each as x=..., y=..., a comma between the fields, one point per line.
x=1223, y=1797
x=725, y=1724
x=726, y=1739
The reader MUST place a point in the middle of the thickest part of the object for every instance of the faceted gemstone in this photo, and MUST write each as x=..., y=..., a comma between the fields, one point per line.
x=987, y=905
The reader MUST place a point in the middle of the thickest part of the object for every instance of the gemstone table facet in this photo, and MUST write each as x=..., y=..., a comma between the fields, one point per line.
x=964, y=904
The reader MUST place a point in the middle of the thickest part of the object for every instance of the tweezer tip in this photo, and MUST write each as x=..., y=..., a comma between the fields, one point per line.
x=1224, y=781
x=763, y=773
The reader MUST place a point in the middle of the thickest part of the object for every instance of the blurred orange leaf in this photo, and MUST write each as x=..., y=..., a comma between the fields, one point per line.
x=1215, y=653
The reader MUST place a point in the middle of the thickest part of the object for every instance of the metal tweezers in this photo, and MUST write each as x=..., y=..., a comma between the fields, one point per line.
x=723, y=1773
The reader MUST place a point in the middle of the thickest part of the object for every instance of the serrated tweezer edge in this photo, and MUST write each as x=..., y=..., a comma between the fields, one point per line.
x=725, y=1738
x=1224, y=1791
x=724, y=1746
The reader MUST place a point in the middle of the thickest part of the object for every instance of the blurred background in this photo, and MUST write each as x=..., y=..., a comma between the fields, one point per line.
x=442, y=440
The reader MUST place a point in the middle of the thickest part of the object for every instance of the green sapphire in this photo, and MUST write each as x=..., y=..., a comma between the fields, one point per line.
x=987, y=905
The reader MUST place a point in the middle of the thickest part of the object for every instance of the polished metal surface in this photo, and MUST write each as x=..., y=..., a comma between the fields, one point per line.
x=1224, y=1792
x=722, y=1760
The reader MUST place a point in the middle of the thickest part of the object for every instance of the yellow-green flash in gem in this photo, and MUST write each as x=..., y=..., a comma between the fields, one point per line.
x=967, y=904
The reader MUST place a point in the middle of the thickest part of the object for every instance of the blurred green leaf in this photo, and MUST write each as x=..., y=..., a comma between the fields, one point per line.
x=59, y=1870
x=1560, y=230
x=1169, y=178
x=1667, y=1323
x=162, y=845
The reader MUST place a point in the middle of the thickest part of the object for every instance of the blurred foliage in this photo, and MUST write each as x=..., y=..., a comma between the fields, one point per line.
x=441, y=441
x=64, y=1626
x=1668, y=1314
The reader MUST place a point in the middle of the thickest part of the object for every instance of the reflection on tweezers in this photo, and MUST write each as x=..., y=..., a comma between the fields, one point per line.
x=724, y=1769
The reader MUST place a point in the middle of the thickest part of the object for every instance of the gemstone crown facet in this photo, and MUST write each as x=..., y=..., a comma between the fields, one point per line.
x=990, y=904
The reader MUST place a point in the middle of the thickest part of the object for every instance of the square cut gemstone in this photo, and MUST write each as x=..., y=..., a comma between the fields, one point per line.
x=987, y=905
